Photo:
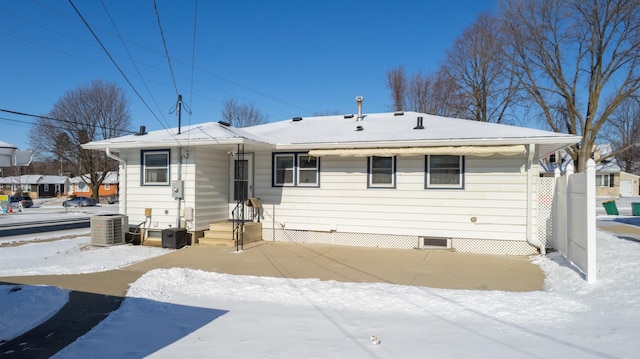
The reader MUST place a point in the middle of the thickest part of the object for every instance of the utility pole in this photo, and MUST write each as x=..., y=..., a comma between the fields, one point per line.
x=179, y=113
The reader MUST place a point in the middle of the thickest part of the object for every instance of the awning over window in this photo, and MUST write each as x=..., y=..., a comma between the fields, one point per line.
x=419, y=151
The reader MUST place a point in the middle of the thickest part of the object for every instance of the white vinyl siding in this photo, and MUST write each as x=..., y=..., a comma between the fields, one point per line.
x=158, y=198
x=495, y=193
x=211, y=177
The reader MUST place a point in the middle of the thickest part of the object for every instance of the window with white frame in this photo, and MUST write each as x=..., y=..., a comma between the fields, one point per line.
x=604, y=180
x=295, y=170
x=382, y=172
x=107, y=186
x=155, y=167
x=444, y=171
x=307, y=170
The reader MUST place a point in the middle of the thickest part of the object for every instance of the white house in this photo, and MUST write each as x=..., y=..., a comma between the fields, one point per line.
x=400, y=180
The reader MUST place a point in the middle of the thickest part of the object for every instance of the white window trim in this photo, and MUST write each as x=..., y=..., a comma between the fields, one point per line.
x=296, y=170
x=299, y=170
x=370, y=183
x=145, y=167
x=428, y=183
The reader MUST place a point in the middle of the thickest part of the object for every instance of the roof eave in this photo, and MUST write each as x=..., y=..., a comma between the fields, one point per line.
x=561, y=141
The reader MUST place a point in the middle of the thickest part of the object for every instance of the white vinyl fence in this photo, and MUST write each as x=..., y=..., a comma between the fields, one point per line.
x=574, y=218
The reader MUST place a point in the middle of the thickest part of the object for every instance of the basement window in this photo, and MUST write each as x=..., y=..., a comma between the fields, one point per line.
x=155, y=167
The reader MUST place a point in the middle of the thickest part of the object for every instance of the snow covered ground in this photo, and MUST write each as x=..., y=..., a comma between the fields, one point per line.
x=186, y=313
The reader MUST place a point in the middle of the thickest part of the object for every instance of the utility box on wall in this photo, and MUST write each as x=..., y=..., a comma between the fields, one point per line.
x=177, y=189
x=175, y=238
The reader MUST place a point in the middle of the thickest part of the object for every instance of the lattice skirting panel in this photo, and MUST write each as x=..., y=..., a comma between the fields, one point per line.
x=468, y=245
x=493, y=246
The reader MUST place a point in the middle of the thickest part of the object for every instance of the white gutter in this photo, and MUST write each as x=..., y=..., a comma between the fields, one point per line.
x=122, y=195
x=529, y=235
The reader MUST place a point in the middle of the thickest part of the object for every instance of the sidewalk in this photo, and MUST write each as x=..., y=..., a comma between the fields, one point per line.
x=95, y=295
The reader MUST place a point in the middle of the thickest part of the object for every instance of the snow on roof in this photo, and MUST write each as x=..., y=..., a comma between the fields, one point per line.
x=50, y=179
x=194, y=135
x=388, y=127
x=375, y=130
x=6, y=145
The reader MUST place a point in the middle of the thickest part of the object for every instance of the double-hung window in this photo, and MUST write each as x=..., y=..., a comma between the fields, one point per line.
x=604, y=180
x=155, y=167
x=444, y=171
x=381, y=172
x=295, y=170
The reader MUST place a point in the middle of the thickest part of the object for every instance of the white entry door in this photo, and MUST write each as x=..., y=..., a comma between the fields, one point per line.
x=240, y=181
x=626, y=188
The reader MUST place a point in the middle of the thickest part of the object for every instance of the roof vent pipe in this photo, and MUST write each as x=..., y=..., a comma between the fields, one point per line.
x=142, y=131
x=419, y=125
x=359, y=100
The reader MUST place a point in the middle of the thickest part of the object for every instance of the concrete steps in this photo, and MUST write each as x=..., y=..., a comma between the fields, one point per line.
x=221, y=234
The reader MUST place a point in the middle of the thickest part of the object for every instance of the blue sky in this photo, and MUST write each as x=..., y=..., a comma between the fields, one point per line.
x=288, y=58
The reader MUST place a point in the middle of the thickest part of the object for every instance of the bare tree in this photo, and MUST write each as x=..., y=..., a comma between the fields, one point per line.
x=87, y=113
x=397, y=83
x=434, y=94
x=242, y=114
x=577, y=61
x=478, y=64
x=623, y=133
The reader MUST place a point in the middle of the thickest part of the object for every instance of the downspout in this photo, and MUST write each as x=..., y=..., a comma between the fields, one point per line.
x=533, y=241
x=122, y=196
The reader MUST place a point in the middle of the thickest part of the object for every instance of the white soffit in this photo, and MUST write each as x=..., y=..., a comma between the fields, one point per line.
x=513, y=150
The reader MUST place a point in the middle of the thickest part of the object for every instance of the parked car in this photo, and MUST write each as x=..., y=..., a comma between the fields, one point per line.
x=25, y=200
x=79, y=202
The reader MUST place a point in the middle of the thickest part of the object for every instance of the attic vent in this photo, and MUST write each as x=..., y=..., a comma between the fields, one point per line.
x=398, y=113
x=359, y=128
x=297, y=119
x=141, y=132
x=434, y=242
x=227, y=124
x=419, y=125
x=348, y=116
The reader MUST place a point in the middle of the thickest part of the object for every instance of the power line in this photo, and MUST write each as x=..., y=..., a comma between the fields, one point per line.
x=166, y=51
x=135, y=65
x=193, y=61
x=120, y=70
x=53, y=119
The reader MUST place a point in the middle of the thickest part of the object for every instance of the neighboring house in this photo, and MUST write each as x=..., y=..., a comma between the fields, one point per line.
x=108, y=188
x=400, y=180
x=611, y=181
x=35, y=186
x=11, y=156
x=51, y=186
x=26, y=184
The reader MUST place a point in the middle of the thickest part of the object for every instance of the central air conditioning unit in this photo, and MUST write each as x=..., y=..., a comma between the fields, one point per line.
x=109, y=229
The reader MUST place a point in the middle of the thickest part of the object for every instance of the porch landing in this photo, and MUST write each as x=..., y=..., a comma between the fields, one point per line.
x=221, y=234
